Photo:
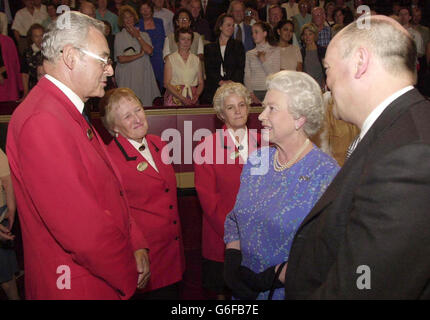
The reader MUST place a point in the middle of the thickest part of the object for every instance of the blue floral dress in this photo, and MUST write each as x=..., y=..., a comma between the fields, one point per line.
x=270, y=207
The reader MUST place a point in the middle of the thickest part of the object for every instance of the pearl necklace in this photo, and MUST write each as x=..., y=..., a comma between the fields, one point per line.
x=280, y=167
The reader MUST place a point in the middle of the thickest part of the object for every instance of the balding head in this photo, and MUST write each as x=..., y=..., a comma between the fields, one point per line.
x=386, y=39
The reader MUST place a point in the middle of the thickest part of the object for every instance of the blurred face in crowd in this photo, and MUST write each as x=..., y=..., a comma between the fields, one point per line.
x=146, y=11
x=235, y=112
x=88, y=9
x=184, y=41
x=339, y=17
x=303, y=8
x=286, y=32
x=130, y=119
x=416, y=16
x=308, y=37
x=183, y=20
x=238, y=12
x=404, y=17
x=258, y=34
x=36, y=37
x=102, y=4
x=158, y=3
x=28, y=3
x=318, y=16
x=128, y=19
x=275, y=15
x=37, y=3
x=195, y=8
x=227, y=27
x=329, y=9
x=52, y=12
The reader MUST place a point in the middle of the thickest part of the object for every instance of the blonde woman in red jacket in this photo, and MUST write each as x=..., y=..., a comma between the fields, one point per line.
x=218, y=162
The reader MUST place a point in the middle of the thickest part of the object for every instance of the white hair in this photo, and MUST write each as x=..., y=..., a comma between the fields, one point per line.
x=304, y=97
x=70, y=28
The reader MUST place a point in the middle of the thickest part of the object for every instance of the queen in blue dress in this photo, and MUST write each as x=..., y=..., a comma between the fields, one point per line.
x=279, y=186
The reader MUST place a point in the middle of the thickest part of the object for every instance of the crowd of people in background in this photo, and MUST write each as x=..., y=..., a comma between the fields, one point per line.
x=308, y=28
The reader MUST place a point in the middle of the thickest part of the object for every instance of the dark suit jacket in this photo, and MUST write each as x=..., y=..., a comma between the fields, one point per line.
x=214, y=9
x=376, y=213
x=248, y=42
x=234, y=66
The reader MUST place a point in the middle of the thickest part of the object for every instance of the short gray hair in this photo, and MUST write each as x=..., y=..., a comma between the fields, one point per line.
x=73, y=30
x=304, y=97
x=226, y=90
x=390, y=42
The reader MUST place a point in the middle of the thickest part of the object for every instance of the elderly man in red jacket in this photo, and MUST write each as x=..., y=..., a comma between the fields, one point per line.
x=79, y=239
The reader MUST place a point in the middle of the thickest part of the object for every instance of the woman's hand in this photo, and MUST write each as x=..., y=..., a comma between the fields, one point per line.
x=255, y=99
x=261, y=55
x=5, y=233
x=135, y=33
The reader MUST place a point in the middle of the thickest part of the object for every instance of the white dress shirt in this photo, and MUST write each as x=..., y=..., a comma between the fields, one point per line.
x=244, y=143
x=77, y=102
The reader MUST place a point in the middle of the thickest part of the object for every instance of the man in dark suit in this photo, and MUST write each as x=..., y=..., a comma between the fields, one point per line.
x=242, y=31
x=368, y=237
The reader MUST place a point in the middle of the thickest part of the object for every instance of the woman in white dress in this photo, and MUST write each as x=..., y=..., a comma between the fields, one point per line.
x=132, y=51
x=183, y=78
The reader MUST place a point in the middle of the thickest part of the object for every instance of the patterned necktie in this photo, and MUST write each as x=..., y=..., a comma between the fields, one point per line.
x=352, y=146
x=239, y=33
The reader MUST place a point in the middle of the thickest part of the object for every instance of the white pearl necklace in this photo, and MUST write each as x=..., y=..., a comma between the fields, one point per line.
x=280, y=167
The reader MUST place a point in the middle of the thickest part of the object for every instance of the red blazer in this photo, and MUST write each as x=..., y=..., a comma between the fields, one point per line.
x=72, y=206
x=153, y=203
x=217, y=186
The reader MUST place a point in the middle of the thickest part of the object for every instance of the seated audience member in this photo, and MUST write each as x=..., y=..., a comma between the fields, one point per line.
x=103, y=14
x=291, y=57
x=164, y=14
x=336, y=135
x=302, y=18
x=150, y=186
x=155, y=29
x=10, y=78
x=324, y=32
x=32, y=58
x=183, y=19
x=183, y=77
x=132, y=51
x=242, y=31
x=269, y=208
x=313, y=54
x=261, y=61
x=291, y=7
x=200, y=24
x=224, y=58
x=216, y=183
x=8, y=262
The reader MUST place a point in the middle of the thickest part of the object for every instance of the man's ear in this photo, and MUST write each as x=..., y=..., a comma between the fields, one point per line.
x=69, y=56
x=361, y=62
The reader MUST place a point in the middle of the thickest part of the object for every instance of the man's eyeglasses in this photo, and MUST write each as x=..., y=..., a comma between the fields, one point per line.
x=183, y=19
x=106, y=62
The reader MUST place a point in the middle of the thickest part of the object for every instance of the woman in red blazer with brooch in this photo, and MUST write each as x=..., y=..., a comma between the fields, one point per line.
x=218, y=162
x=150, y=185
